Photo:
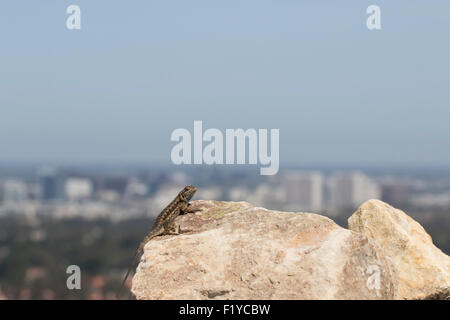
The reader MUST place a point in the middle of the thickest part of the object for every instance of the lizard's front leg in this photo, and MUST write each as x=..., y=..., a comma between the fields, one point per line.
x=175, y=229
x=172, y=229
x=188, y=208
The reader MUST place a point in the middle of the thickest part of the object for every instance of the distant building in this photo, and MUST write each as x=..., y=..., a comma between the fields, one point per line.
x=117, y=184
x=14, y=191
x=304, y=190
x=136, y=189
x=78, y=189
x=108, y=196
x=211, y=193
x=239, y=193
x=264, y=195
x=52, y=184
x=432, y=200
x=395, y=194
x=350, y=190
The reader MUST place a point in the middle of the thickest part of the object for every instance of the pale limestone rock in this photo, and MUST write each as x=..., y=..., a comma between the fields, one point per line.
x=423, y=270
x=237, y=251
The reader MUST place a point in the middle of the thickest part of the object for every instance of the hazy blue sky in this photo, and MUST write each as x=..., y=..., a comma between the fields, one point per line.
x=115, y=90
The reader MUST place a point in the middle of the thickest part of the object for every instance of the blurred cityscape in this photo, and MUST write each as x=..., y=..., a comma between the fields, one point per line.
x=94, y=217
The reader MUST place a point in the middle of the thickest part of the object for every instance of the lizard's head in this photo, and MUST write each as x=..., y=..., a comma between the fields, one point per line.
x=189, y=192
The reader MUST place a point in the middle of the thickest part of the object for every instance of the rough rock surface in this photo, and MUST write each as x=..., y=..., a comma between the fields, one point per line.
x=440, y=294
x=423, y=270
x=237, y=251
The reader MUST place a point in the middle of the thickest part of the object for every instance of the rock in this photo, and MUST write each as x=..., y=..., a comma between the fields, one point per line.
x=237, y=251
x=440, y=294
x=423, y=270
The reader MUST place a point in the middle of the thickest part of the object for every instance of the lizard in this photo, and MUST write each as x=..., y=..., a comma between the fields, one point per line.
x=164, y=223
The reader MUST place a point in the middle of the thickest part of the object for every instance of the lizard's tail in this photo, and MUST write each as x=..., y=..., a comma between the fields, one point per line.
x=136, y=255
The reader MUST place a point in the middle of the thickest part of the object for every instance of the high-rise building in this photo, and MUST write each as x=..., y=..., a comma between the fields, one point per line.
x=78, y=188
x=14, y=191
x=304, y=190
x=350, y=190
x=136, y=189
x=52, y=184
